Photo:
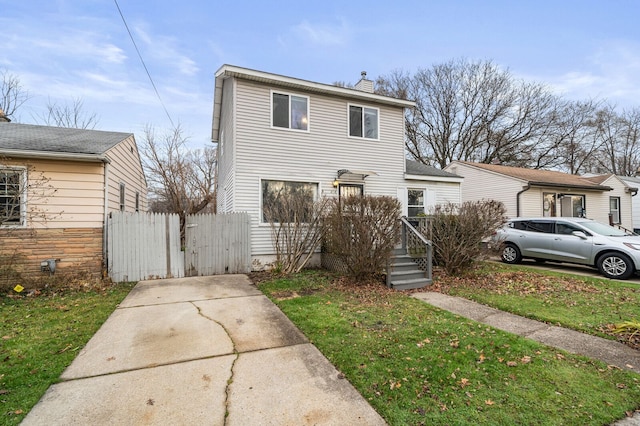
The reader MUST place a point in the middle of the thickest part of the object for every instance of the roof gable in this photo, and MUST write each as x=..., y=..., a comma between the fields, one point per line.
x=48, y=139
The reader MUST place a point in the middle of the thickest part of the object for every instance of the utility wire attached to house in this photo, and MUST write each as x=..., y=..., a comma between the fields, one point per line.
x=143, y=64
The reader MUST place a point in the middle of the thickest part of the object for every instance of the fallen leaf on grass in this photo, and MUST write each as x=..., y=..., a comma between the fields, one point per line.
x=511, y=363
x=489, y=402
x=525, y=359
x=464, y=382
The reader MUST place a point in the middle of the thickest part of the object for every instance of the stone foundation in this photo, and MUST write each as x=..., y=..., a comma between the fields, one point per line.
x=78, y=251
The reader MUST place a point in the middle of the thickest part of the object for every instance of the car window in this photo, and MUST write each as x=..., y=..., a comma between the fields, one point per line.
x=602, y=229
x=566, y=228
x=538, y=226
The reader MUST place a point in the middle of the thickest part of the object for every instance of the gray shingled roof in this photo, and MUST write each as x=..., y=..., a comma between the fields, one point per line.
x=416, y=168
x=46, y=139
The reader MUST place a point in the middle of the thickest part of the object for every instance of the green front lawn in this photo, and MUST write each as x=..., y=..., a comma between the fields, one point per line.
x=419, y=365
x=40, y=336
x=586, y=304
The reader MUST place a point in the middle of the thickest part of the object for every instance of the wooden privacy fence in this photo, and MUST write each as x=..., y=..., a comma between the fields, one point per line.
x=144, y=246
x=217, y=244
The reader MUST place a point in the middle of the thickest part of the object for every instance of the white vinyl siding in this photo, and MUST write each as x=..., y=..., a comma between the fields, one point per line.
x=481, y=184
x=263, y=152
x=226, y=170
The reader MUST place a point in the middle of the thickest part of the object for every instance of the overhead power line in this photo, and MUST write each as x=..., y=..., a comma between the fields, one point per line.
x=143, y=63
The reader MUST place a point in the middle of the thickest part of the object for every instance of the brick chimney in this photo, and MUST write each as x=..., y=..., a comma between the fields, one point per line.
x=364, y=84
x=3, y=117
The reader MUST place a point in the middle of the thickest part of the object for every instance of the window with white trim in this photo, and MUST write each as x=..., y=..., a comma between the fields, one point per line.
x=415, y=202
x=277, y=193
x=614, y=209
x=290, y=111
x=12, y=197
x=363, y=122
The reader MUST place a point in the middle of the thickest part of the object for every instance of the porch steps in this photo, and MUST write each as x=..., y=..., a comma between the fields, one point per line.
x=404, y=273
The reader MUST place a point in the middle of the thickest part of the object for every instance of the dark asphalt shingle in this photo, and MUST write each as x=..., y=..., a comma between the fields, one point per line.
x=29, y=137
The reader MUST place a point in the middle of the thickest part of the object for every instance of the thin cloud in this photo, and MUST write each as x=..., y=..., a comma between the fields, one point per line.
x=614, y=75
x=166, y=50
x=318, y=34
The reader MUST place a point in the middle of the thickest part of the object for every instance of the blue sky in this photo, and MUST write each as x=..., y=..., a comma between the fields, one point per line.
x=66, y=49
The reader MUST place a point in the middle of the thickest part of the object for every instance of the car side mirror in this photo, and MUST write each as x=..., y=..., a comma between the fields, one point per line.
x=579, y=234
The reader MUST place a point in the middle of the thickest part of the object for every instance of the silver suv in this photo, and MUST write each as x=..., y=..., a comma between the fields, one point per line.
x=614, y=252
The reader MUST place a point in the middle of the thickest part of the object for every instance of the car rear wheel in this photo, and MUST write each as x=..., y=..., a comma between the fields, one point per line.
x=511, y=254
x=616, y=266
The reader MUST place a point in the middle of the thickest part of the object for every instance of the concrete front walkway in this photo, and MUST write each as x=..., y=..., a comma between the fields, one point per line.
x=200, y=351
x=609, y=351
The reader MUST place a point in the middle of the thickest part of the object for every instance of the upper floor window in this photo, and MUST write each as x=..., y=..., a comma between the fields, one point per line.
x=363, y=122
x=290, y=111
x=12, y=197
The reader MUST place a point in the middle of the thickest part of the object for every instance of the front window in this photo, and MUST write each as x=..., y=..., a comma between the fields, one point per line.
x=614, y=209
x=290, y=111
x=415, y=202
x=363, y=122
x=282, y=199
x=572, y=205
x=12, y=199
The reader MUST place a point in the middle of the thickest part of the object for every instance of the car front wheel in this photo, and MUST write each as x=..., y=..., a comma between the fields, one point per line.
x=511, y=254
x=616, y=266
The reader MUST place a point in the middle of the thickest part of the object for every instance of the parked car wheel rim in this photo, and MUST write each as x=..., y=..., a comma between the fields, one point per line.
x=509, y=254
x=614, y=266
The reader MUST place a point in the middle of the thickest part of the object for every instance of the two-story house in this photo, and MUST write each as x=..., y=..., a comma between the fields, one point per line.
x=275, y=131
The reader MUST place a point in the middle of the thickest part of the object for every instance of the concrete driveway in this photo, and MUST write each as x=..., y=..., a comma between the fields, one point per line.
x=571, y=269
x=200, y=351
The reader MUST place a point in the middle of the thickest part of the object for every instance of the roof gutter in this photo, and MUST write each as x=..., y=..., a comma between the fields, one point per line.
x=69, y=156
x=526, y=188
x=570, y=187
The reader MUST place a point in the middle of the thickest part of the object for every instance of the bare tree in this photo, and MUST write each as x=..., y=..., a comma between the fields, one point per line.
x=68, y=115
x=12, y=94
x=296, y=225
x=575, y=140
x=619, y=137
x=180, y=180
x=472, y=111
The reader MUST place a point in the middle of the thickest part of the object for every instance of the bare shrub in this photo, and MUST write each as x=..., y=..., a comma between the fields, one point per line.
x=362, y=231
x=458, y=232
x=296, y=226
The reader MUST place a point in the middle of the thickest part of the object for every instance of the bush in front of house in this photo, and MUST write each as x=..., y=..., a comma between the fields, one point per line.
x=361, y=232
x=458, y=232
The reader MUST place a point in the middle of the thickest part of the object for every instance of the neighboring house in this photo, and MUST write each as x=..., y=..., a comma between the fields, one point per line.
x=634, y=182
x=57, y=186
x=542, y=193
x=275, y=131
